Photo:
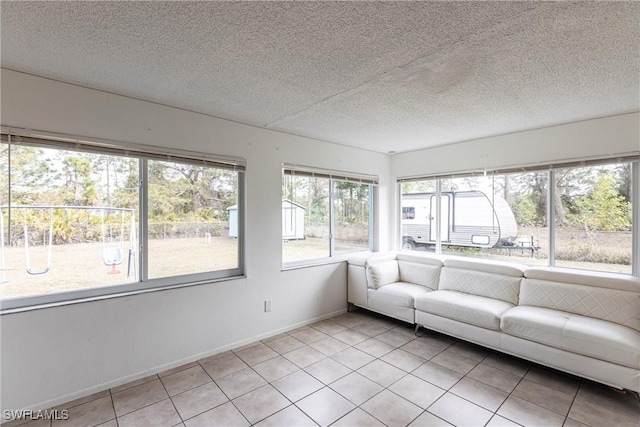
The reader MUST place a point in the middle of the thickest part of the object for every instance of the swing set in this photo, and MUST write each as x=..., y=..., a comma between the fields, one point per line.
x=111, y=255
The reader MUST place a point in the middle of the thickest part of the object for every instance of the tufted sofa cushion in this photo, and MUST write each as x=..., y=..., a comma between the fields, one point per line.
x=578, y=334
x=420, y=274
x=491, y=280
x=613, y=298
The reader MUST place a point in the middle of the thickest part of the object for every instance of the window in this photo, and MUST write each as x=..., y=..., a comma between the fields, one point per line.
x=324, y=215
x=584, y=220
x=83, y=219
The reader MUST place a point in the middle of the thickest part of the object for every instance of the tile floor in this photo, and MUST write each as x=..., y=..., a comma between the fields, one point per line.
x=356, y=369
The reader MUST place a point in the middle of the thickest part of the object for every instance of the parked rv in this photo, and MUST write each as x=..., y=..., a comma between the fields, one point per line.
x=469, y=218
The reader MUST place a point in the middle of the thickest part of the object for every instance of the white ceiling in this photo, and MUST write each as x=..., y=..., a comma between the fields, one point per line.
x=385, y=76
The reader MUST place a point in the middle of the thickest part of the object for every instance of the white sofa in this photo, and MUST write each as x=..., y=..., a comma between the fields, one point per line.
x=584, y=323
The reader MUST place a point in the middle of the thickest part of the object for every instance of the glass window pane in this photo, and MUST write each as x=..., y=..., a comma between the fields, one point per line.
x=593, y=218
x=192, y=220
x=305, y=218
x=351, y=203
x=72, y=222
x=417, y=223
x=499, y=217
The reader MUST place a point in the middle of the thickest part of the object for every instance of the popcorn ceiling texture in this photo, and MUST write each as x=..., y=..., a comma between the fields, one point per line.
x=385, y=76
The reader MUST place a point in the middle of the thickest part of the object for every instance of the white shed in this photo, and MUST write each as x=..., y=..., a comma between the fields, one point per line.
x=292, y=220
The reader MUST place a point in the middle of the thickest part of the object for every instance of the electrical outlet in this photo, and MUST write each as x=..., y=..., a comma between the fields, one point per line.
x=267, y=306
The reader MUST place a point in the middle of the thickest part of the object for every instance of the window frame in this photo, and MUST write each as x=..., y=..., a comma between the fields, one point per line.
x=550, y=169
x=333, y=177
x=143, y=154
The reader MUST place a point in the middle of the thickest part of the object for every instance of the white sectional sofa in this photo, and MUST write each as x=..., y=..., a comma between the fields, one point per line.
x=584, y=323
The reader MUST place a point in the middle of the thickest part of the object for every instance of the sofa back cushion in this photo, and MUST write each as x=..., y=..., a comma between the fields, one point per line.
x=601, y=296
x=491, y=280
x=420, y=274
x=380, y=273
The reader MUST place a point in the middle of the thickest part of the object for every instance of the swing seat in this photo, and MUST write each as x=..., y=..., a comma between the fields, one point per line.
x=112, y=256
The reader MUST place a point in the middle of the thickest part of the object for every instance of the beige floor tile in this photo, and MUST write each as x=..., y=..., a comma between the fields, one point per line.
x=275, y=368
x=370, y=329
x=391, y=409
x=328, y=327
x=353, y=358
x=304, y=356
x=285, y=344
x=274, y=337
x=327, y=370
x=325, y=406
x=110, y=423
x=625, y=403
x=513, y=365
x=544, y=396
x=223, y=366
x=215, y=356
x=356, y=388
x=329, y=346
x=595, y=415
x=479, y=393
x=437, y=375
x=290, y=416
x=246, y=346
x=351, y=337
x=90, y=413
x=351, y=320
x=158, y=415
x=374, y=347
x=297, y=385
x=573, y=423
x=382, y=373
x=82, y=400
x=470, y=351
x=138, y=397
x=403, y=360
x=241, y=382
x=177, y=369
x=494, y=377
x=498, y=421
x=455, y=362
x=357, y=418
x=529, y=414
x=393, y=338
x=198, y=400
x=435, y=339
x=554, y=379
x=308, y=335
x=256, y=354
x=417, y=391
x=427, y=419
x=123, y=387
x=225, y=415
x=421, y=349
x=185, y=380
x=261, y=403
x=460, y=412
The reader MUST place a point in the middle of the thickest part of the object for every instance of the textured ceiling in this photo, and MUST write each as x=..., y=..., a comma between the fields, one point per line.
x=385, y=76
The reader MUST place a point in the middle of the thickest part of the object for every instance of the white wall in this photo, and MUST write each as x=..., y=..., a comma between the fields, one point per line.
x=604, y=137
x=53, y=355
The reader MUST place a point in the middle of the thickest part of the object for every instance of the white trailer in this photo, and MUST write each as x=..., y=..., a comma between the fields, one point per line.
x=468, y=218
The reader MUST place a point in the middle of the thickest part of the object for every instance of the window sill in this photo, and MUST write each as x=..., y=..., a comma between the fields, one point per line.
x=297, y=265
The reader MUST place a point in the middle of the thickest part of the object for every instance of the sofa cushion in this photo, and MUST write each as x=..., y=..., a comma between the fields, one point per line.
x=574, y=333
x=472, y=309
x=382, y=273
x=481, y=283
x=400, y=294
x=420, y=274
x=612, y=305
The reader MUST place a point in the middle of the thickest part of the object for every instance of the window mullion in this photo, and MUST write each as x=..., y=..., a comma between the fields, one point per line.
x=332, y=217
x=635, y=215
x=143, y=227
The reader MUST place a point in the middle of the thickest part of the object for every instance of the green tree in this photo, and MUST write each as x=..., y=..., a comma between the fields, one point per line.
x=605, y=208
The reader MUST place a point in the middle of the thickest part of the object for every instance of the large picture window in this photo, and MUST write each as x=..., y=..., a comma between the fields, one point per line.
x=88, y=219
x=325, y=215
x=583, y=220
